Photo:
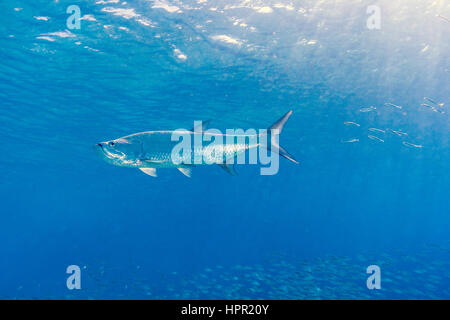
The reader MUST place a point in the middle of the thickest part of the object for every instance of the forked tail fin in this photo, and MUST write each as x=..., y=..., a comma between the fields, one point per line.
x=273, y=132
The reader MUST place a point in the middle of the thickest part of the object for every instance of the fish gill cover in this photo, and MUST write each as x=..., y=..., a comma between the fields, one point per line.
x=368, y=83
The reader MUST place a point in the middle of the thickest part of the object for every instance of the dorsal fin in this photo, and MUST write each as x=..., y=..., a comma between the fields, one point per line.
x=186, y=171
x=200, y=126
x=149, y=171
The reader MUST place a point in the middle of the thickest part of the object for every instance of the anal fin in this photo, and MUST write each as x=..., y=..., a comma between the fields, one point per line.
x=228, y=168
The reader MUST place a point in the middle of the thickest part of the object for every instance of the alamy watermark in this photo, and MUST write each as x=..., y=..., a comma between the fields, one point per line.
x=374, y=19
x=236, y=146
x=74, y=20
x=374, y=280
x=74, y=280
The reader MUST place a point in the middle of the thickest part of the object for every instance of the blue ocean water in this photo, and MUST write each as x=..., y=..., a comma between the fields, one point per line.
x=370, y=128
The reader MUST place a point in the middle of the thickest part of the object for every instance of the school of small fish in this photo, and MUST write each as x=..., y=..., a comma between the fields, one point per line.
x=380, y=135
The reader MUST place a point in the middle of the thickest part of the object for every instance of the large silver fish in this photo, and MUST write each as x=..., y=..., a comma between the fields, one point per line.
x=151, y=150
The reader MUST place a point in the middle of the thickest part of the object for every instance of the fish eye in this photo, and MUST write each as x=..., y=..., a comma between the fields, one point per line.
x=111, y=143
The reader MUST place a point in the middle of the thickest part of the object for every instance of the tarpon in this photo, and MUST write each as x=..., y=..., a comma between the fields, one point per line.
x=151, y=150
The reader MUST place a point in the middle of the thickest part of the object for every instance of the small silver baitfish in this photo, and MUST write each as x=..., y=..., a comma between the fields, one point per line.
x=151, y=150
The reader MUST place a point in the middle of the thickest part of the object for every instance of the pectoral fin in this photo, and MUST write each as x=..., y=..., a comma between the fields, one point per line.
x=228, y=168
x=149, y=171
x=186, y=171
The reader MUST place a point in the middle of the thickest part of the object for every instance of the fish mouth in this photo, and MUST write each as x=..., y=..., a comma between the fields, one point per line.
x=107, y=154
x=99, y=149
x=99, y=145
